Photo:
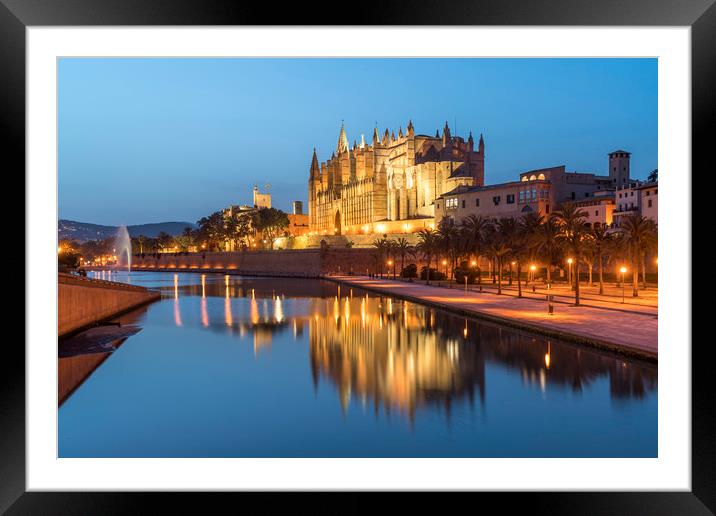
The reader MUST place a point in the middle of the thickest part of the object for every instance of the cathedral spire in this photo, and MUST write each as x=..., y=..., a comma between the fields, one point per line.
x=342, y=140
x=315, y=171
x=411, y=130
x=447, y=139
x=362, y=141
x=481, y=145
x=470, y=142
x=376, y=136
x=400, y=132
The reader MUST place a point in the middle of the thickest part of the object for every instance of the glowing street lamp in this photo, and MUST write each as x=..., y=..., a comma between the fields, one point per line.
x=445, y=265
x=533, y=268
x=569, y=261
x=623, y=270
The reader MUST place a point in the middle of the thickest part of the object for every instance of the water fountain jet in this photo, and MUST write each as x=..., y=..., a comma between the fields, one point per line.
x=123, y=244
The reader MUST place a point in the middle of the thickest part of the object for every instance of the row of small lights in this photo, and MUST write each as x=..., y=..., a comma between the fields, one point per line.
x=379, y=229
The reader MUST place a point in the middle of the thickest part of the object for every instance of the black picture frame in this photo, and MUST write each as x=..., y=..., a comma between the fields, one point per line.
x=700, y=15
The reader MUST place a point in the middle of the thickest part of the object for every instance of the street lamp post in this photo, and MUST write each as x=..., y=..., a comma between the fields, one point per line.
x=446, y=272
x=623, y=270
x=569, y=262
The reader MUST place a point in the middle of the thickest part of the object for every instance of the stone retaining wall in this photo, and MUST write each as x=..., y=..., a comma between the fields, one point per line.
x=310, y=263
x=82, y=301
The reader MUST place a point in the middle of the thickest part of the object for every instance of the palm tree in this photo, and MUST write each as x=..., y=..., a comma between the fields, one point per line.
x=545, y=241
x=475, y=227
x=600, y=238
x=508, y=230
x=499, y=245
x=638, y=234
x=573, y=231
x=380, y=245
x=402, y=248
x=589, y=256
x=617, y=253
x=449, y=235
x=427, y=247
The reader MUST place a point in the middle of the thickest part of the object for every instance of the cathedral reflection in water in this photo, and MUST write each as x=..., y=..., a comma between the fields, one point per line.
x=400, y=356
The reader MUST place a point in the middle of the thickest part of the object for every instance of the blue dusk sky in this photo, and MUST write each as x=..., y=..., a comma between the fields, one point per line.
x=151, y=140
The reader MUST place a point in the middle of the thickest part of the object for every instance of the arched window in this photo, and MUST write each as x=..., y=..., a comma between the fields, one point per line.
x=524, y=178
x=540, y=177
x=533, y=177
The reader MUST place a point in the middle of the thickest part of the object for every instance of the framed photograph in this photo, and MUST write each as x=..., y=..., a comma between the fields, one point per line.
x=418, y=252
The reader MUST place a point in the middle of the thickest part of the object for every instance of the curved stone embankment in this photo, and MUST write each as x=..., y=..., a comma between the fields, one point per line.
x=82, y=302
x=632, y=334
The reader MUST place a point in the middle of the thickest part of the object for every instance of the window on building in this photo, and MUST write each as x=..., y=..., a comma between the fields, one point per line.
x=649, y=203
x=631, y=194
x=596, y=213
x=477, y=201
x=496, y=200
x=463, y=203
x=586, y=194
x=511, y=199
x=648, y=193
x=546, y=208
x=574, y=195
x=522, y=196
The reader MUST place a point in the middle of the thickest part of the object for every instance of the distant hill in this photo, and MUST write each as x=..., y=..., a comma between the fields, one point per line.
x=83, y=231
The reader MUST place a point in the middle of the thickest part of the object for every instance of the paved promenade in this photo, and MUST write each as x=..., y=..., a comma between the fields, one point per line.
x=631, y=329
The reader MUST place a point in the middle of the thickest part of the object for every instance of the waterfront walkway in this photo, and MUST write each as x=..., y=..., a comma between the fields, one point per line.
x=627, y=328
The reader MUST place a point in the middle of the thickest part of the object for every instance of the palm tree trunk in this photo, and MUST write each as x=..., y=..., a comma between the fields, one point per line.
x=510, y=282
x=635, y=277
x=519, y=280
x=576, y=283
x=499, y=276
x=643, y=271
x=591, y=266
x=601, y=284
x=549, y=273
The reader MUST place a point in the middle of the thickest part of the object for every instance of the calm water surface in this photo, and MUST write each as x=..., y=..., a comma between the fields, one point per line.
x=229, y=366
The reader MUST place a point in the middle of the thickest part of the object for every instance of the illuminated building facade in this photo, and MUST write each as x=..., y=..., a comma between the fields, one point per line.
x=392, y=181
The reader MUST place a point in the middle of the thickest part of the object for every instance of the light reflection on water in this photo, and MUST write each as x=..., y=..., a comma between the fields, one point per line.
x=236, y=366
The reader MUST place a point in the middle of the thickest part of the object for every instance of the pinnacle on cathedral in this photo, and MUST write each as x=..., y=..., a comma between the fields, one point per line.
x=376, y=136
x=342, y=141
x=400, y=132
x=315, y=171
